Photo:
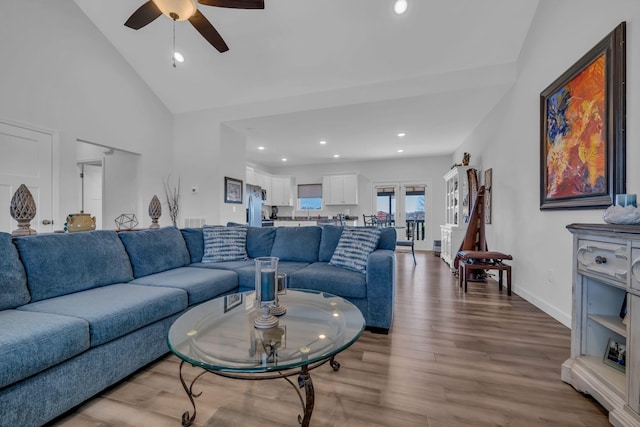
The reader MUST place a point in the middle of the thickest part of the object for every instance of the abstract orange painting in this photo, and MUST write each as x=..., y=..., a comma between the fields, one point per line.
x=582, y=130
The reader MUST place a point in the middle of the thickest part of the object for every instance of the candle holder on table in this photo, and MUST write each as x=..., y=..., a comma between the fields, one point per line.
x=266, y=291
x=278, y=309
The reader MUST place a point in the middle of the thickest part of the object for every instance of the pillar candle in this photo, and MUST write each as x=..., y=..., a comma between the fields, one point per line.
x=267, y=284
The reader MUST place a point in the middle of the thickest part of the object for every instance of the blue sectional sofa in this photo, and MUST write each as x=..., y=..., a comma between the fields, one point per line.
x=81, y=311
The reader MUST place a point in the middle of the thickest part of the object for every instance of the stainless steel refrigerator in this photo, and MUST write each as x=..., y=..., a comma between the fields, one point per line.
x=254, y=206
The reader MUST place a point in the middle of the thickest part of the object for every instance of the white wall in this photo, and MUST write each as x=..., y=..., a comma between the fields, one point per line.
x=509, y=139
x=60, y=73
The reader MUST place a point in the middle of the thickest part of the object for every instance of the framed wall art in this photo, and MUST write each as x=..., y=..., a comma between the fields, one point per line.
x=488, y=180
x=582, y=130
x=232, y=190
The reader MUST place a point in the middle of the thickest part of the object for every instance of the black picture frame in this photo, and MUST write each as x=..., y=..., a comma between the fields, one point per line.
x=232, y=190
x=615, y=355
x=568, y=177
x=232, y=300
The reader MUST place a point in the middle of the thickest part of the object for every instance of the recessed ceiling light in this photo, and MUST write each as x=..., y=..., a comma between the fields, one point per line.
x=284, y=159
x=178, y=56
x=400, y=7
x=261, y=148
x=336, y=155
x=400, y=150
x=323, y=142
x=401, y=134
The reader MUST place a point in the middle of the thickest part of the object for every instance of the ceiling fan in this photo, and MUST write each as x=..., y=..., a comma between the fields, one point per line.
x=181, y=10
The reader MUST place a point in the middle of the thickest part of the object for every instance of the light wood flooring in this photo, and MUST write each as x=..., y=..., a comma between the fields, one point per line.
x=480, y=359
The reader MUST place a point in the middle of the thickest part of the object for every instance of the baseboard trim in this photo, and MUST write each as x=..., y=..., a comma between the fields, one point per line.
x=551, y=310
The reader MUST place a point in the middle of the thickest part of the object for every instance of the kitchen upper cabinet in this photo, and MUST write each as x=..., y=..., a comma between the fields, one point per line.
x=340, y=189
x=281, y=191
x=250, y=176
x=264, y=181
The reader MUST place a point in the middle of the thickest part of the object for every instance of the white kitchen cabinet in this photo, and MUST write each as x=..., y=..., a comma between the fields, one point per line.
x=340, y=189
x=250, y=176
x=281, y=191
x=263, y=179
x=604, y=277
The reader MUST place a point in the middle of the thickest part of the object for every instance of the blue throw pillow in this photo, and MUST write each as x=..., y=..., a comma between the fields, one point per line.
x=224, y=243
x=354, y=247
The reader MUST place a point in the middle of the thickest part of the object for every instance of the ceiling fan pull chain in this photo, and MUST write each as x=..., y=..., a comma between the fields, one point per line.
x=173, y=54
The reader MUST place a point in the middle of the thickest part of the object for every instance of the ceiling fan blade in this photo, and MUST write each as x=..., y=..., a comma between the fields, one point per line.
x=235, y=4
x=145, y=14
x=205, y=28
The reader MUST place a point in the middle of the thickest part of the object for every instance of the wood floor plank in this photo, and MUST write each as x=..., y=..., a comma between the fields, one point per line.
x=450, y=360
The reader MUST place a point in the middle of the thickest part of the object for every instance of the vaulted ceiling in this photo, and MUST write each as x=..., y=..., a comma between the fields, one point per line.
x=359, y=73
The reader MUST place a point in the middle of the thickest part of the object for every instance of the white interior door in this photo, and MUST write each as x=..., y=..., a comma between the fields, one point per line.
x=91, y=190
x=26, y=158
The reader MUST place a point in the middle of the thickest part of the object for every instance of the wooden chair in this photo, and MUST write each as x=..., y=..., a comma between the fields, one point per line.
x=410, y=240
x=370, y=220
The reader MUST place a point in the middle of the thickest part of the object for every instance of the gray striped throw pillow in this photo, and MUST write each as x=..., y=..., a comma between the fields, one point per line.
x=224, y=243
x=354, y=247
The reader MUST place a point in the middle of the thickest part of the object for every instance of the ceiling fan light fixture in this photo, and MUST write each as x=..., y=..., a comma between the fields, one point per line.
x=178, y=56
x=183, y=9
x=400, y=6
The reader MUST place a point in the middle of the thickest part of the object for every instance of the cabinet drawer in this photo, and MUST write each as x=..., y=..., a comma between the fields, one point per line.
x=602, y=259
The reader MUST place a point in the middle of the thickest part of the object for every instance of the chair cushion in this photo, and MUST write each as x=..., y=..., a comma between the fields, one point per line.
x=355, y=245
x=115, y=310
x=153, y=251
x=62, y=263
x=297, y=243
x=322, y=276
x=13, y=279
x=33, y=342
x=224, y=243
x=201, y=284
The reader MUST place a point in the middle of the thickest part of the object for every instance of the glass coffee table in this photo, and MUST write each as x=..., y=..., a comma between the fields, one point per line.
x=219, y=337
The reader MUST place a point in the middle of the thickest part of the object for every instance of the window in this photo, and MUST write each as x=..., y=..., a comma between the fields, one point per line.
x=310, y=196
x=386, y=204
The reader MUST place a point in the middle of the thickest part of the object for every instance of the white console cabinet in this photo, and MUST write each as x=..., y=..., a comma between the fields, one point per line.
x=606, y=269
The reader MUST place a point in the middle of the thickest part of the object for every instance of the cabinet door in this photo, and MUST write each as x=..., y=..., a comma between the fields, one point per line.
x=281, y=191
x=340, y=189
x=350, y=189
x=250, y=176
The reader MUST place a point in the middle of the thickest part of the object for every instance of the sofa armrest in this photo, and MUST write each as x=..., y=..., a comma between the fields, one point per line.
x=381, y=287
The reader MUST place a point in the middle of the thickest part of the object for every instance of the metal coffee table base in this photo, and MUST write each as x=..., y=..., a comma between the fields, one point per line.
x=304, y=381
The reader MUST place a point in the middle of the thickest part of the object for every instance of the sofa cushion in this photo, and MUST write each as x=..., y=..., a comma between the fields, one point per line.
x=114, y=311
x=260, y=241
x=201, y=284
x=153, y=251
x=224, y=243
x=195, y=243
x=225, y=265
x=355, y=245
x=329, y=241
x=33, y=342
x=247, y=274
x=387, y=238
x=297, y=243
x=322, y=276
x=13, y=279
x=63, y=263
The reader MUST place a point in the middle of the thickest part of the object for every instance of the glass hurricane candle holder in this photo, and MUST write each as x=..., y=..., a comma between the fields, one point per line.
x=266, y=291
x=278, y=309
